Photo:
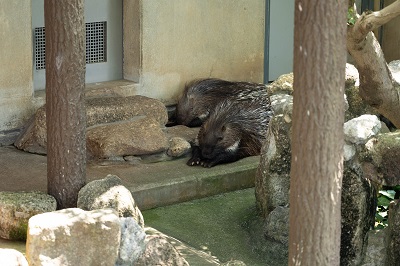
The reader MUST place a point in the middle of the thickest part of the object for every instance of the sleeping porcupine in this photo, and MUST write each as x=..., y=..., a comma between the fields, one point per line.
x=200, y=96
x=234, y=130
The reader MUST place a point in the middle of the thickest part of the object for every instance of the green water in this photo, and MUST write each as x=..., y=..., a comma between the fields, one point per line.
x=226, y=225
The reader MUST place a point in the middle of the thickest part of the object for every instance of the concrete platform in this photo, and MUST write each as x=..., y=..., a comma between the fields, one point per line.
x=152, y=185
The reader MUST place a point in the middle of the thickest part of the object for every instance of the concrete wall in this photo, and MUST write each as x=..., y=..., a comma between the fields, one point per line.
x=16, y=64
x=166, y=44
x=186, y=39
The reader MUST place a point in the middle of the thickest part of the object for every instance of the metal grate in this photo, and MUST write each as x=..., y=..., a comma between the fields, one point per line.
x=96, y=44
x=40, y=55
x=96, y=39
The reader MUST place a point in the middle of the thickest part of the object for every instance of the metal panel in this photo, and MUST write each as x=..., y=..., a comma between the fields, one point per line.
x=280, y=39
x=104, y=56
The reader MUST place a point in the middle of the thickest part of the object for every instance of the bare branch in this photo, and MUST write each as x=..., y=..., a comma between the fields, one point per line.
x=370, y=21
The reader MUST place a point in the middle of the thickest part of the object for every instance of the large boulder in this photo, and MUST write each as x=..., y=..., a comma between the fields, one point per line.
x=74, y=237
x=17, y=207
x=98, y=111
x=133, y=137
x=273, y=173
x=109, y=193
x=160, y=252
x=358, y=192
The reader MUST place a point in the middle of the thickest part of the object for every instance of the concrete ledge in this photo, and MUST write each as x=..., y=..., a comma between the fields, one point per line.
x=178, y=182
x=152, y=185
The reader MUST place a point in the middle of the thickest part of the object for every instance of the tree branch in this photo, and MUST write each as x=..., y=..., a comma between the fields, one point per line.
x=377, y=87
x=370, y=21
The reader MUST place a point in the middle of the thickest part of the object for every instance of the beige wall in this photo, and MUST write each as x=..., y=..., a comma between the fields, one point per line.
x=186, y=39
x=16, y=63
x=166, y=44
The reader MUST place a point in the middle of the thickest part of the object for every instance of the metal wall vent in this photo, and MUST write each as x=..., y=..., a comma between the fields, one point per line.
x=96, y=44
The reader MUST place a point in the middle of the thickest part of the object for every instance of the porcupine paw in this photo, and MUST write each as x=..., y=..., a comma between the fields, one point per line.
x=193, y=161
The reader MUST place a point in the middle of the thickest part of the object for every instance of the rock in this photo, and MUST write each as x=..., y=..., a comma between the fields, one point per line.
x=383, y=151
x=273, y=173
x=109, y=193
x=376, y=251
x=12, y=257
x=276, y=225
x=113, y=109
x=74, y=237
x=187, y=133
x=356, y=105
x=352, y=76
x=393, y=234
x=17, y=207
x=394, y=67
x=133, y=137
x=348, y=152
x=282, y=85
x=178, y=147
x=160, y=252
x=132, y=242
x=98, y=111
x=359, y=130
x=33, y=137
x=358, y=214
x=280, y=101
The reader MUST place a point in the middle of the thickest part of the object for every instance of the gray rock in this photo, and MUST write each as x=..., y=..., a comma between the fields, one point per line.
x=376, y=250
x=359, y=130
x=178, y=147
x=352, y=76
x=273, y=173
x=348, y=152
x=160, y=252
x=17, y=207
x=12, y=257
x=356, y=105
x=134, y=137
x=393, y=234
x=74, y=237
x=279, y=102
x=276, y=225
x=109, y=193
x=358, y=214
x=132, y=242
x=383, y=157
x=98, y=111
x=394, y=67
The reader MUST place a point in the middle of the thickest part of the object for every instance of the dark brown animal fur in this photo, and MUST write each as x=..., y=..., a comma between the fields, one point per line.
x=234, y=130
x=202, y=95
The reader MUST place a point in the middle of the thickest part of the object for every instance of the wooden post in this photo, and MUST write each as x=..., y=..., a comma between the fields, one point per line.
x=65, y=108
x=317, y=136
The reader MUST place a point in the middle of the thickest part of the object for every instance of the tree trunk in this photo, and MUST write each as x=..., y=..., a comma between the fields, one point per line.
x=317, y=136
x=65, y=110
x=377, y=87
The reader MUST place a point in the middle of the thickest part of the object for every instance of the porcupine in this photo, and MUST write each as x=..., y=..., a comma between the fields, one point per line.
x=234, y=130
x=200, y=96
